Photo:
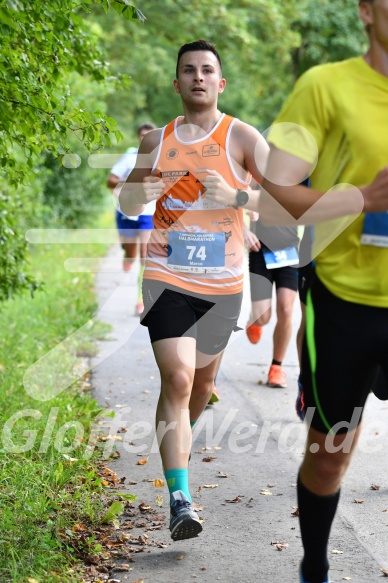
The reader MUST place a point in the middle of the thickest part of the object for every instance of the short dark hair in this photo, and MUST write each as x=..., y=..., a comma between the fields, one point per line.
x=147, y=125
x=197, y=45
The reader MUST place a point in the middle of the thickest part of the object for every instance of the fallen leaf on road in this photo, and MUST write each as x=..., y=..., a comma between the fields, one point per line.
x=384, y=572
x=346, y=578
x=235, y=500
x=158, y=483
x=222, y=475
x=159, y=500
x=180, y=558
x=210, y=485
x=209, y=459
x=142, y=463
x=296, y=512
x=123, y=537
x=358, y=501
x=374, y=487
x=279, y=545
x=143, y=507
x=123, y=568
x=265, y=492
x=337, y=552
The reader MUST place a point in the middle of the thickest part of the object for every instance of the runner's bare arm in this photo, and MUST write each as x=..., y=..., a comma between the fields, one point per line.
x=284, y=200
x=141, y=185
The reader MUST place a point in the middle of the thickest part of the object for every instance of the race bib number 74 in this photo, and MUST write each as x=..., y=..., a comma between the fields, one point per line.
x=196, y=252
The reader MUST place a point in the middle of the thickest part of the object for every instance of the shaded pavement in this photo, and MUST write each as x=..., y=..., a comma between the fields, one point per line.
x=244, y=463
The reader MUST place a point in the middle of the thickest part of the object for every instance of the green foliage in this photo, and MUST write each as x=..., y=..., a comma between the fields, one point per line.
x=19, y=211
x=329, y=31
x=53, y=80
x=73, y=196
x=114, y=510
x=44, y=491
x=40, y=45
x=264, y=45
x=251, y=36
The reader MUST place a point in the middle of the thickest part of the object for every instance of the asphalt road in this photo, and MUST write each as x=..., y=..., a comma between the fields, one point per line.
x=253, y=444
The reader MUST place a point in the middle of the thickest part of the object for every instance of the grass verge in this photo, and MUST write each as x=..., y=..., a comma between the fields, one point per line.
x=49, y=478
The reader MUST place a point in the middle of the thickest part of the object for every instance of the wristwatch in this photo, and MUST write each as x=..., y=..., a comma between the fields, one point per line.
x=242, y=198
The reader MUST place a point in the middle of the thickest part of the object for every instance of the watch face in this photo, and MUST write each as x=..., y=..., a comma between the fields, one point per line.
x=242, y=197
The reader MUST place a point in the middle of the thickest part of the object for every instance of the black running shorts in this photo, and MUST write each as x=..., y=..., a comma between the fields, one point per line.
x=262, y=279
x=305, y=276
x=345, y=350
x=169, y=313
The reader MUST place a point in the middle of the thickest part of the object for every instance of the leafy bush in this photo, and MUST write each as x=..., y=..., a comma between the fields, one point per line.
x=73, y=197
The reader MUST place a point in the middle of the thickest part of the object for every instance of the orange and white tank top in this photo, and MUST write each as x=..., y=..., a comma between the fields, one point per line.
x=196, y=244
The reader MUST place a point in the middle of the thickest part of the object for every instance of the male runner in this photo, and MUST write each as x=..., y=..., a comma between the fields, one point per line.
x=344, y=106
x=133, y=229
x=193, y=277
x=272, y=265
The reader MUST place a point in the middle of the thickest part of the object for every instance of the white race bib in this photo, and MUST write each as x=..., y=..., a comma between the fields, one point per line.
x=196, y=252
x=280, y=257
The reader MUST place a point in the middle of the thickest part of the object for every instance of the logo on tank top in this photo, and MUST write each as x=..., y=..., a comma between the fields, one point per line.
x=175, y=175
x=172, y=153
x=211, y=150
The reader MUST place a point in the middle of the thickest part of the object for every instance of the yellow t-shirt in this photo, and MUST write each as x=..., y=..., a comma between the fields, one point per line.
x=345, y=107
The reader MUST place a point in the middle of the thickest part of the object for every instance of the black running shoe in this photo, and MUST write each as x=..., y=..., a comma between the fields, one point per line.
x=184, y=521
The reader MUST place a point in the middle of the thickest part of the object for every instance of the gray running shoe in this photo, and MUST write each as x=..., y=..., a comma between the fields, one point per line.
x=184, y=521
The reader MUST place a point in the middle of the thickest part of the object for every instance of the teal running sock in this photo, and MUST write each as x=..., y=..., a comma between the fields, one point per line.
x=178, y=479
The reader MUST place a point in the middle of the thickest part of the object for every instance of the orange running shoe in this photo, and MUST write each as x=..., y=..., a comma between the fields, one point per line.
x=254, y=333
x=276, y=377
